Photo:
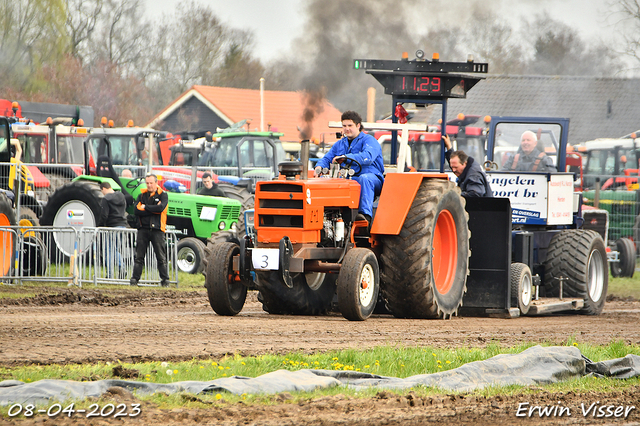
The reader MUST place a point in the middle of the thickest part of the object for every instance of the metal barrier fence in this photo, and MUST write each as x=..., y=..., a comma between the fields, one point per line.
x=82, y=256
x=621, y=198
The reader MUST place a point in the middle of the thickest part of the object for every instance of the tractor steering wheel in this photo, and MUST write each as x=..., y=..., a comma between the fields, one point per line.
x=134, y=183
x=350, y=162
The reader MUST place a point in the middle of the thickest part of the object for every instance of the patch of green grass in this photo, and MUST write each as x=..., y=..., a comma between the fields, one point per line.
x=10, y=295
x=396, y=361
x=625, y=287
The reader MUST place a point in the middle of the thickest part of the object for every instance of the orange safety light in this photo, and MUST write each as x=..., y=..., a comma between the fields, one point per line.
x=633, y=135
x=111, y=124
x=435, y=57
x=460, y=116
x=103, y=121
x=623, y=158
x=439, y=120
x=487, y=119
x=80, y=122
x=49, y=121
x=130, y=123
x=15, y=105
x=405, y=56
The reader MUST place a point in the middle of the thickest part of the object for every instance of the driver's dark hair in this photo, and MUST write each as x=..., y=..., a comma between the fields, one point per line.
x=462, y=156
x=353, y=116
x=206, y=175
x=105, y=185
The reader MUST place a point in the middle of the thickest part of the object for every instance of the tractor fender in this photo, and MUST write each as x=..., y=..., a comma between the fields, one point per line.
x=398, y=192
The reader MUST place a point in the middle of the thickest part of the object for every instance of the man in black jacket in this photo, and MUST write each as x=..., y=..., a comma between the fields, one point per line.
x=210, y=187
x=151, y=214
x=472, y=180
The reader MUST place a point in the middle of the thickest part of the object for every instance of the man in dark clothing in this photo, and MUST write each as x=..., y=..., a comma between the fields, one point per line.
x=528, y=158
x=112, y=215
x=472, y=180
x=113, y=207
x=210, y=187
x=151, y=214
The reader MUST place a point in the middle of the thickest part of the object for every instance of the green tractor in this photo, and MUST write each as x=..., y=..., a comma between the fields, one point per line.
x=193, y=217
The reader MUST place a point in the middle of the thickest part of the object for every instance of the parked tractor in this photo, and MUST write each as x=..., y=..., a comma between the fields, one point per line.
x=18, y=204
x=194, y=217
x=429, y=253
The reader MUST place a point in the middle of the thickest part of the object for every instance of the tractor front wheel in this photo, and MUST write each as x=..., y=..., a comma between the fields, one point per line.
x=358, y=284
x=191, y=252
x=226, y=292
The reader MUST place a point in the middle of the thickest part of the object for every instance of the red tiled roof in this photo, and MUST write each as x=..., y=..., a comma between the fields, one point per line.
x=284, y=110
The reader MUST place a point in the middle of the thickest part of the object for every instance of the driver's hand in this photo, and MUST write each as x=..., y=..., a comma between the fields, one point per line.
x=447, y=142
x=317, y=171
x=339, y=159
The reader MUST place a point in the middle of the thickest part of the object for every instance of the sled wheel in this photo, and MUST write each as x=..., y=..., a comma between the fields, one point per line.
x=580, y=256
x=227, y=293
x=626, y=266
x=358, y=284
x=521, y=287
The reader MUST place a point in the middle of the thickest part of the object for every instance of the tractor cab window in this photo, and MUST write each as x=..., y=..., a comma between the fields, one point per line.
x=70, y=150
x=510, y=149
x=34, y=148
x=426, y=155
x=225, y=155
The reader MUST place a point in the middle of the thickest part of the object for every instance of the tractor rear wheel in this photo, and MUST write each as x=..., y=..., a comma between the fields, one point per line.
x=424, y=268
x=78, y=205
x=7, y=238
x=191, y=253
x=358, y=284
x=521, y=287
x=302, y=299
x=626, y=266
x=578, y=255
x=226, y=292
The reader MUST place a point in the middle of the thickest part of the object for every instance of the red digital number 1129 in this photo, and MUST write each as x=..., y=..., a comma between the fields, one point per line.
x=422, y=84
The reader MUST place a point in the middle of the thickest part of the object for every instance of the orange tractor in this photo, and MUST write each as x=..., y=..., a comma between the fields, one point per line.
x=310, y=250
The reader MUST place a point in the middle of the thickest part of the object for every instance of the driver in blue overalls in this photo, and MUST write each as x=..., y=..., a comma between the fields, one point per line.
x=363, y=148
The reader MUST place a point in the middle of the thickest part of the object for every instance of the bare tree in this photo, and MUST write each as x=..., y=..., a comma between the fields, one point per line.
x=123, y=35
x=29, y=35
x=491, y=40
x=559, y=50
x=82, y=17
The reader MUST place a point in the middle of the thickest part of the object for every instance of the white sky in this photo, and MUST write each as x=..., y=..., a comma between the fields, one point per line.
x=275, y=23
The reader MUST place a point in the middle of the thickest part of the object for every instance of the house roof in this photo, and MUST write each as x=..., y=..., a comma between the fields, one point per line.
x=284, y=110
x=596, y=107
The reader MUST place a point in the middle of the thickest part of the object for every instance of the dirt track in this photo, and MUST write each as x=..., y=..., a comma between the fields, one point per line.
x=78, y=326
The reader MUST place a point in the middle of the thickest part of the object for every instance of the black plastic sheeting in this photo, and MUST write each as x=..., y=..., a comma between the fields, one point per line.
x=534, y=366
